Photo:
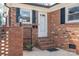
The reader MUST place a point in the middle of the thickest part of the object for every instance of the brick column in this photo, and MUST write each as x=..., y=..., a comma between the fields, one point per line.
x=12, y=16
x=34, y=35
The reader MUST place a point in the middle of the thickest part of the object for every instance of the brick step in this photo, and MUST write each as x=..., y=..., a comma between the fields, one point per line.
x=27, y=33
x=46, y=46
x=42, y=37
x=44, y=40
x=27, y=37
x=45, y=43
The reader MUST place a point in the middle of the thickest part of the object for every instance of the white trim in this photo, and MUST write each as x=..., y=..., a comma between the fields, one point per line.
x=26, y=6
x=66, y=14
x=39, y=24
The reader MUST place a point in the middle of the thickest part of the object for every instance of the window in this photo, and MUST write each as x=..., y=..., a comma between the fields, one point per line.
x=72, y=14
x=25, y=16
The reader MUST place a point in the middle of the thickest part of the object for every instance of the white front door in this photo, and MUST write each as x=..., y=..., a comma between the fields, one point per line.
x=42, y=24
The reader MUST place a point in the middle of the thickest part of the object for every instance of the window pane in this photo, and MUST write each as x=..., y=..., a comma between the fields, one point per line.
x=74, y=9
x=76, y=16
x=73, y=17
x=73, y=13
x=24, y=12
x=24, y=15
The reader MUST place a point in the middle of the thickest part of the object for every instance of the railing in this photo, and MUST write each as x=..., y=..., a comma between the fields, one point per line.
x=4, y=42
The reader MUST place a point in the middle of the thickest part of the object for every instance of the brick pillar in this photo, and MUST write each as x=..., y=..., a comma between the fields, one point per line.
x=15, y=41
x=34, y=35
x=12, y=16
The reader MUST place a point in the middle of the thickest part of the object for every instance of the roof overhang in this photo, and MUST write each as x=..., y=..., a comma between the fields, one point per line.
x=42, y=4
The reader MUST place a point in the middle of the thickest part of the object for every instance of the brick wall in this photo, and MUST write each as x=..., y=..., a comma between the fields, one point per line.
x=62, y=34
x=53, y=20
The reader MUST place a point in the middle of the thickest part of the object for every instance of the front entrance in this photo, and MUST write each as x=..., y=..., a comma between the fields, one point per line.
x=42, y=24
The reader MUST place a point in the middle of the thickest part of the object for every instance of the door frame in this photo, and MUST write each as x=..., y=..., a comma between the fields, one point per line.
x=46, y=23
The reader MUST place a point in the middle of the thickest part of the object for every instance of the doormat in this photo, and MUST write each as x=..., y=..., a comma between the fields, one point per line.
x=52, y=49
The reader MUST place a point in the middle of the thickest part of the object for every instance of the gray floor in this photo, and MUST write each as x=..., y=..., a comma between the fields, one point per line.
x=38, y=52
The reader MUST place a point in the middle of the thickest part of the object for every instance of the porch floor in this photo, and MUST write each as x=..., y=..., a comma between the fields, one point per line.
x=38, y=52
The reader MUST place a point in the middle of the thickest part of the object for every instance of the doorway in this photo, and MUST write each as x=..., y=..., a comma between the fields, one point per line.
x=42, y=24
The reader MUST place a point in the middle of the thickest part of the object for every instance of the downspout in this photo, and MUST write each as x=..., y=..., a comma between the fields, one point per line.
x=9, y=19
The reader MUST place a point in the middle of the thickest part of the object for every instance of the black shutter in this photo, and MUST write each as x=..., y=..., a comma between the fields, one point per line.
x=62, y=14
x=33, y=16
x=17, y=14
